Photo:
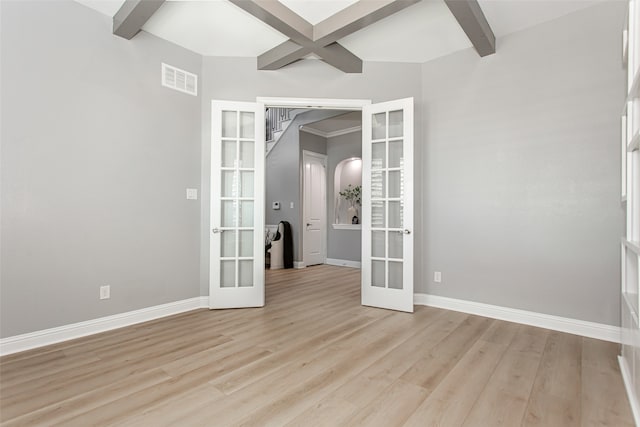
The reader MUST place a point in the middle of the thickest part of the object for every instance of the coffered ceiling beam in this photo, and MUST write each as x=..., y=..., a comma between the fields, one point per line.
x=340, y=57
x=290, y=52
x=322, y=38
x=282, y=55
x=132, y=15
x=473, y=22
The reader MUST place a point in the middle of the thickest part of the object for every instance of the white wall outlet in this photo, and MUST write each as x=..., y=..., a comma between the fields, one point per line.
x=437, y=276
x=105, y=292
x=192, y=194
x=291, y=205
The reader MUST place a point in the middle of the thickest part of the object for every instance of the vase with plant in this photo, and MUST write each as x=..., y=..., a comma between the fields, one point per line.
x=353, y=196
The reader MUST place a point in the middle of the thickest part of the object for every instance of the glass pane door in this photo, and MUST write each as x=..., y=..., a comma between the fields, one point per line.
x=237, y=206
x=387, y=276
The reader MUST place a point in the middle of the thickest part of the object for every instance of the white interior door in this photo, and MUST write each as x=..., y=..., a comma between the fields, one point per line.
x=237, y=205
x=314, y=207
x=387, y=210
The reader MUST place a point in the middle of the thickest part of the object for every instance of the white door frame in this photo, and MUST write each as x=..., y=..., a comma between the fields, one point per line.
x=322, y=157
x=316, y=103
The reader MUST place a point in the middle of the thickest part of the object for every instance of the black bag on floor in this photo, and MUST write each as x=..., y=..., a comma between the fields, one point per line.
x=288, y=245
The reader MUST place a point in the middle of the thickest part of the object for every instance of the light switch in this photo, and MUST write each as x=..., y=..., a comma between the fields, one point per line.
x=192, y=194
x=291, y=205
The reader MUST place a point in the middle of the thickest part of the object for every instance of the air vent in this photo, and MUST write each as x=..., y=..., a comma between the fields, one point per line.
x=178, y=79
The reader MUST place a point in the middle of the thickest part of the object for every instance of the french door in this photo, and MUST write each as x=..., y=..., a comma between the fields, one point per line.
x=237, y=205
x=387, y=188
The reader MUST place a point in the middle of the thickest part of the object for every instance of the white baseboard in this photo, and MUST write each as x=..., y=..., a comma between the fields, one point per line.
x=298, y=264
x=631, y=394
x=36, y=339
x=547, y=321
x=343, y=262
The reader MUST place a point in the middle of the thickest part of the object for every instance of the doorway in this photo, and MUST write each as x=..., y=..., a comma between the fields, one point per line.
x=387, y=199
x=336, y=143
x=303, y=145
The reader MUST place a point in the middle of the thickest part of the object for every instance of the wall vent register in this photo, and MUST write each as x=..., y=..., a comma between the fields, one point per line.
x=180, y=80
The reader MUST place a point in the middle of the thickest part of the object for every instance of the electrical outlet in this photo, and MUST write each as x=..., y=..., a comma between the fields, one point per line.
x=291, y=205
x=105, y=292
x=437, y=276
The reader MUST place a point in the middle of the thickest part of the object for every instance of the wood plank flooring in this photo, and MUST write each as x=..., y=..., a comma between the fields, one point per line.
x=314, y=357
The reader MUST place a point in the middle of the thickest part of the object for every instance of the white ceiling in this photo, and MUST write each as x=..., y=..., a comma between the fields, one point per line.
x=315, y=11
x=419, y=33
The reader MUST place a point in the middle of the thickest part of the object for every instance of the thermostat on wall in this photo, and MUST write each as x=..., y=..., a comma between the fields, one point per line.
x=276, y=206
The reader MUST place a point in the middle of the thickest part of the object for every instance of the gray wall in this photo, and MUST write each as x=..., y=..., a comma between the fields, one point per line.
x=282, y=182
x=522, y=169
x=96, y=156
x=341, y=244
x=227, y=78
x=311, y=142
x=517, y=174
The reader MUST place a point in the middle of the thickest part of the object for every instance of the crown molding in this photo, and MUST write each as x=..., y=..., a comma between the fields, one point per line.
x=332, y=134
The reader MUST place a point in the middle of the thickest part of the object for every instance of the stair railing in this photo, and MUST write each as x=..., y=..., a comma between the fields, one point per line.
x=274, y=117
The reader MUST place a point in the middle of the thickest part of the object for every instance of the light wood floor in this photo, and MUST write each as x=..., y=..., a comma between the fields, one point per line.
x=314, y=356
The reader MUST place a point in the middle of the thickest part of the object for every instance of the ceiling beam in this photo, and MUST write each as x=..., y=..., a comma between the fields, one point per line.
x=320, y=39
x=290, y=52
x=473, y=22
x=301, y=43
x=340, y=57
x=132, y=15
x=282, y=55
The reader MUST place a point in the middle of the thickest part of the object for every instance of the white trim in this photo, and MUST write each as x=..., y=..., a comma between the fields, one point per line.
x=343, y=263
x=331, y=134
x=347, y=226
x=318, y=103
x=299, y=264
x=634, y=246
x=344, y=131
x=541, y=320
x=44, y=337
x=628, y=385
x=313, y=131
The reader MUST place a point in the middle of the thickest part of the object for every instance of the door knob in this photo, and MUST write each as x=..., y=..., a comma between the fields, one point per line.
x=217, y=230
x=308, y=225
x=405, y=231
